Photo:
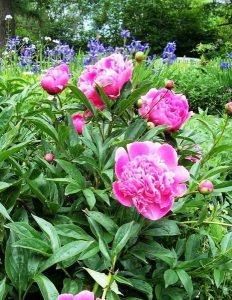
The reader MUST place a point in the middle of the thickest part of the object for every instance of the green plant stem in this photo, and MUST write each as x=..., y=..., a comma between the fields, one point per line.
x=206, y=222
x=95, y=288
x=109, y=278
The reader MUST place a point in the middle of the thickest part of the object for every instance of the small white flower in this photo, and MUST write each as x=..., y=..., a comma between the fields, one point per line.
x=5, y=53
x=47, y=38
x=28, y=73
x=56, y=41
x=26, y=39
x=8, y=17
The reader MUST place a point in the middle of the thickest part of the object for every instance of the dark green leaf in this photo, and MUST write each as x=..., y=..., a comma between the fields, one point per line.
x=47, y=288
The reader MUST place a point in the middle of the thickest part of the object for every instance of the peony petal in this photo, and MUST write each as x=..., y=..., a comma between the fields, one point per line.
x=121, y=158
x=154, y=212
x=180, y=190
x=168, y=154
x=84, y=295
x=142, y=148
x=181, y=174
x=65, y=297
x=119, y=195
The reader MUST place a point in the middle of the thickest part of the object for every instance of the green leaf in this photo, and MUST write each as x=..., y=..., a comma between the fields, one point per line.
x=66, y=252
x=81, y=96
x=90, y=198
x=71, y=286
x=221, y=148
x=103, y=220
x=2, y=288
x=214, y=171
x=192, y=247
x=163, y=228
x=4, y=212
x=47, y=288
x=186, y=281
x=23, y=229
x=223, y=187
x=102, y=280
x=35, y=245
x=5, y=117
x=72, y=188
x=72, y=231
x=34, y=187
x=170, y=277
x=4, y=185
x=218, y=277
x=16, y=265
x=71, y=170
x=49, y=229
x=226, y=242
x=153, y=132
x=104, y=97
x=44, y=126
x=121, y=238
x=6, y=153
x=143, y=287
x=123, y=104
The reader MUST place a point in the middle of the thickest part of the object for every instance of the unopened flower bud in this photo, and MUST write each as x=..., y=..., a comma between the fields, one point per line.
x=228, y=108
x=169, y=84
x=49, y=157
x=139, y=56
x=139, y=103
x=205, y=187
x=150, y=125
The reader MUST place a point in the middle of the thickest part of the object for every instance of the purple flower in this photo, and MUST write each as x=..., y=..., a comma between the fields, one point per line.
x=137, y=46
x=224, y=65
x=230, y=55
x=168, y=53
x=125, y=33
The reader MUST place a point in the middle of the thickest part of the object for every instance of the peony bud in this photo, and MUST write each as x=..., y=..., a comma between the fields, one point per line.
x=150, y=125
x=169, y=84
x=139, y=103
x=205, y=187
x=228, y=108
x=49, y=157
x=139, y=56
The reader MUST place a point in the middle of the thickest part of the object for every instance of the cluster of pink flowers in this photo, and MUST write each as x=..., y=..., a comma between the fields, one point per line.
x=111, y=73
x=56, y=79
x=164, y=107
x=84, y=295
x=149, y=178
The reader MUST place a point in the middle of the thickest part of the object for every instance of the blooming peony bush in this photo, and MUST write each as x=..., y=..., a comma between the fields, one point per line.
x=101, y=198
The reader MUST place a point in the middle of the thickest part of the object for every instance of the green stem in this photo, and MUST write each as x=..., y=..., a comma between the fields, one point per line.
x=137, y=77
x=109, y=278
x=206, y=222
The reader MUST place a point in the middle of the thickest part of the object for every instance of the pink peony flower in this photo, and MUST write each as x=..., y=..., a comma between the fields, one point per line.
x=198, y=155
x=111, y=73
x=149, y=178
x=78, y=122
x=164, y=107
x=56, y=79
x=84, y=295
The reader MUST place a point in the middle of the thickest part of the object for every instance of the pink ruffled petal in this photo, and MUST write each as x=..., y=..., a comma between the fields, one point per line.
x=65, y=297
x=168, y=154
x=181, y=174
x=119, y=195
x=84, y=295
x=142, y=148
x=180, y=190
x=121, y=158
x=154, y=212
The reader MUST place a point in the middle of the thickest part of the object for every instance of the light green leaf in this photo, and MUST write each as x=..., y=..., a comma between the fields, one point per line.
x=90, y=198
x=49, y=229
x=170, y=277
x=47, y=288
x=186, y=281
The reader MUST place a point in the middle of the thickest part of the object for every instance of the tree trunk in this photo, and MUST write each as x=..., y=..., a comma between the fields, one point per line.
x=7, y=27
